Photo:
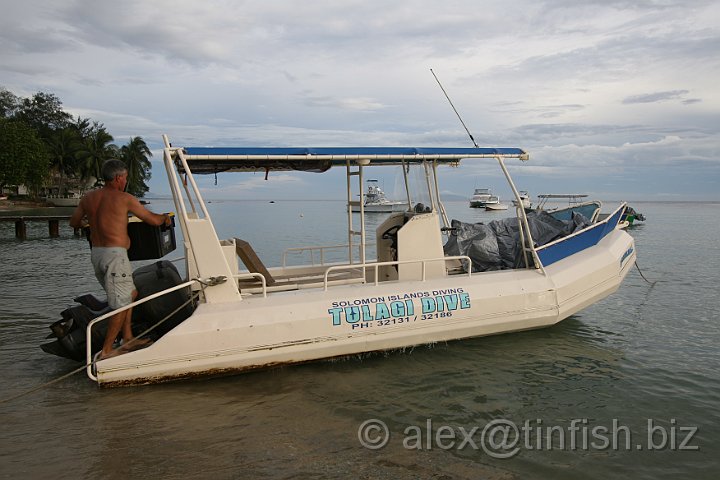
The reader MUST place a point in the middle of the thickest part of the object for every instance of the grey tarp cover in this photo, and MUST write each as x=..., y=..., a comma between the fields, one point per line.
x=496, y=246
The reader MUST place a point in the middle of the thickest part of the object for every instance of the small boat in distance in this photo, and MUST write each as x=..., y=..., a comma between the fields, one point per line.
x=376, y=202
x=70, y=199
x=572, y=199
x=588, y=209
x=480, y=197
x=524, y=199
x=493, y=204
x=631, y=215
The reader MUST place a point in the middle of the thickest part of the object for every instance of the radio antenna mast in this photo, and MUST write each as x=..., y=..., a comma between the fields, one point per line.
x=455, y=109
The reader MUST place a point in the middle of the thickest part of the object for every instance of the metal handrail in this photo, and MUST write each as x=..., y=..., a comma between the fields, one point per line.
x=322, y=249
x=373, y=265
x=528, y=245
x=260, y=276
x=376, y=265
x=88, y=330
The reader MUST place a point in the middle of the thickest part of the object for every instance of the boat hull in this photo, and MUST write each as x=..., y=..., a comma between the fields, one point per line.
x=480, y=197
x=496, y=206
x=63, y=201
x=300, y=326
x=382, y=208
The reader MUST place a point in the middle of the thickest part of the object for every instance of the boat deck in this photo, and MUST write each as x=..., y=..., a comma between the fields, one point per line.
x=301, y=280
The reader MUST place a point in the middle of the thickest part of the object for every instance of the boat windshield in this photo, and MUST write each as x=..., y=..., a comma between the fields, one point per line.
x=420, y=192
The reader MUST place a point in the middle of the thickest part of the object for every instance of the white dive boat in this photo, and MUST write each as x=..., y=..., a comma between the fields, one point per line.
x=376, y=202
x=420, y=288
x=524, y=200
x=493, y=203
x=480, y=197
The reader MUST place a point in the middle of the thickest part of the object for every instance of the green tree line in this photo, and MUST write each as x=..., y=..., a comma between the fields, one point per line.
x=39, y=139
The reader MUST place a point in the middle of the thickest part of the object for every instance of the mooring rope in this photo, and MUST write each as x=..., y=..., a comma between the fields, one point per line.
x=643, y=276
x=210, y=282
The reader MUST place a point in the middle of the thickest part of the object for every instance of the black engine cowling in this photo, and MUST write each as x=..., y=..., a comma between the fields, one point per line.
x=70, y=331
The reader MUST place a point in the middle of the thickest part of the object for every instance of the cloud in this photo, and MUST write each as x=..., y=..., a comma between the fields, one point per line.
x=655, y=97
x=591, y=89
x=361, y=104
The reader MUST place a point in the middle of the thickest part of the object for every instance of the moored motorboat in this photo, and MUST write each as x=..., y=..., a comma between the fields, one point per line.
x=375, y=201
x=524, y=200
x=419, y=288
x=494, y=204
x=480, y=197
x=70, y=199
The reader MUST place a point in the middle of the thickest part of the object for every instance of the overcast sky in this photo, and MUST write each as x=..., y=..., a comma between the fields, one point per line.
x=618, y=99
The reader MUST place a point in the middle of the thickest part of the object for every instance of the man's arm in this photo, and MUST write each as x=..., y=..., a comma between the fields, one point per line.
x=137, y=209
x=76, y=221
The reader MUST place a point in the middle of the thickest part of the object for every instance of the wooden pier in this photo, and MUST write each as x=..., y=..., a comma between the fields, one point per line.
x=22, y=220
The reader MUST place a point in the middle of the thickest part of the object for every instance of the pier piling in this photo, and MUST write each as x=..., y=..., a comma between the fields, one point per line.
x=20, y=229
x=54, y=227
x=53, y=224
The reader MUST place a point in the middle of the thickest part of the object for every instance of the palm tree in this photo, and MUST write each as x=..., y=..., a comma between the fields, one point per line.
x=95, y=150
x=135, y=155
x=63, y=144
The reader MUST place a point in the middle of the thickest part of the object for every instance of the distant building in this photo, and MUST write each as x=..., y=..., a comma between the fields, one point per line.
x=15, y=190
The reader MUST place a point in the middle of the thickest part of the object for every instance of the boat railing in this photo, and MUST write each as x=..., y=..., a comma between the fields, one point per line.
x=590, y=210
x=317, y=250
x=88, y=331
x=572, y=198
x=259, y=276
x=376, y=265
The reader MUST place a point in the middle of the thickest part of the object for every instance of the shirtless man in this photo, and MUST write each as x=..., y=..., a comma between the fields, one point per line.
x=106, y=211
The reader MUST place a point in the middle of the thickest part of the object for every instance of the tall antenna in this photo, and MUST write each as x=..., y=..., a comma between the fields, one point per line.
x=455, y=109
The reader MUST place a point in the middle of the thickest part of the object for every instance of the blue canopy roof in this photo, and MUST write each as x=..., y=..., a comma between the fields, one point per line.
x=319, y=159
x=343, y=151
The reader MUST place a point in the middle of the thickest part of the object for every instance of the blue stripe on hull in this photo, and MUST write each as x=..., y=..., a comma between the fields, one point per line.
x=577, y=243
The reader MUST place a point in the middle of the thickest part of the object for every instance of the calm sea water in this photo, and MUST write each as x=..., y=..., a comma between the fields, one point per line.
x=643, y=365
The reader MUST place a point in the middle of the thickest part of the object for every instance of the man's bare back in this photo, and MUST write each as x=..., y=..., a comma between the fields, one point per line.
x=106, y=211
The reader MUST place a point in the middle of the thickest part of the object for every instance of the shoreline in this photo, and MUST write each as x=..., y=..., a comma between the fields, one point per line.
x=13, y=205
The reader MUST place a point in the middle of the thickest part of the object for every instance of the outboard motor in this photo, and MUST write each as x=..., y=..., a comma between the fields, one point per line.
x=70, y=331
x=154, y=278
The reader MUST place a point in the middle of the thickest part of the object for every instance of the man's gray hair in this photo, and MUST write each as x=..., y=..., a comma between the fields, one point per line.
x=112, y=168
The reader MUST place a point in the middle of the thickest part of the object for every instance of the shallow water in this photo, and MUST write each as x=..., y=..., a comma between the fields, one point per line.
x=646, y=357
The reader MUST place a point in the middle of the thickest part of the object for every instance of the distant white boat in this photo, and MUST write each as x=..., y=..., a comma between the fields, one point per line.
x=524, y=199
x=376, y=202
x=494, y=203
x=480, y=197
x=572, y=199
x=496, y=206
x=71, y=199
